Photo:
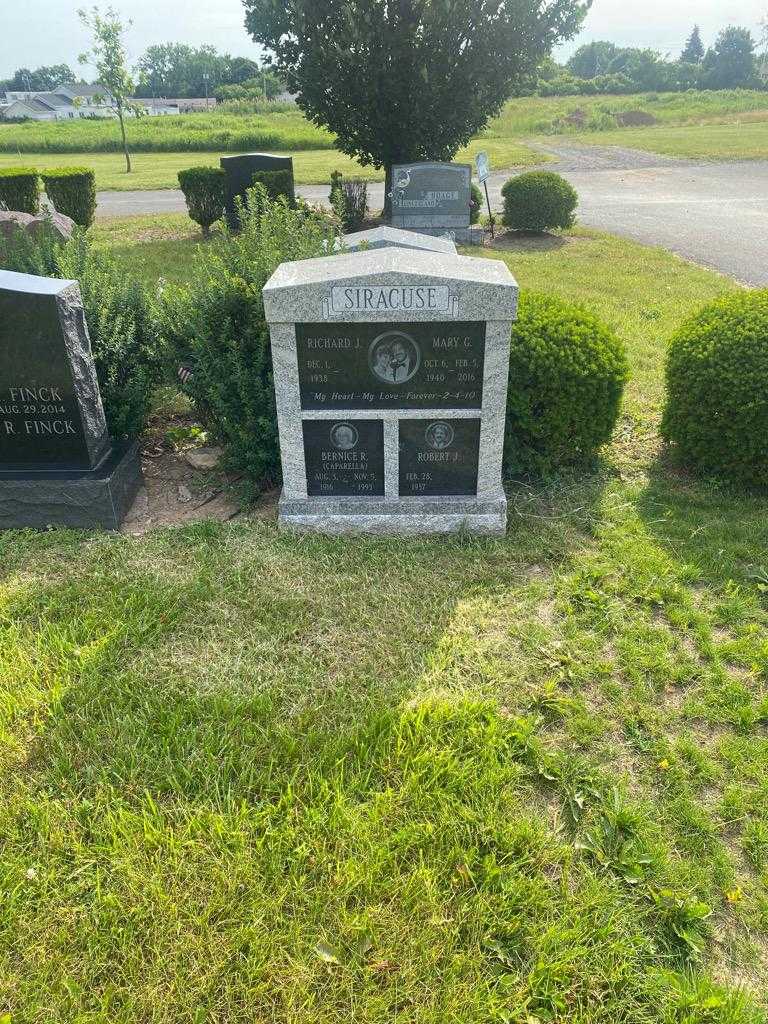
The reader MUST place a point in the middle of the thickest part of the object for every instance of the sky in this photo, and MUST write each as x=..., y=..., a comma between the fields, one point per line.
x=37, y=32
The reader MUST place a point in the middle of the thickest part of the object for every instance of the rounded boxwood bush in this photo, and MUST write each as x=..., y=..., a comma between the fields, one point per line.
x=716, y=414
x=539, y=201
x=72, y=190
x=566, y=377
x=203, y=189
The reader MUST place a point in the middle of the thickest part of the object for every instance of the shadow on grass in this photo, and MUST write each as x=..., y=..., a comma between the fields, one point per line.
x=720, y=529
x=279, y=649
x=521, y=241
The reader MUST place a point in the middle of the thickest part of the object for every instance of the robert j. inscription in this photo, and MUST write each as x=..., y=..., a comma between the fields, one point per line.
x=439, y=457
x=399, y=365
x=344, y=458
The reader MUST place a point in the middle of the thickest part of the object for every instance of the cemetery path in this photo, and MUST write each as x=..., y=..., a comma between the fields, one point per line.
x=715, y=214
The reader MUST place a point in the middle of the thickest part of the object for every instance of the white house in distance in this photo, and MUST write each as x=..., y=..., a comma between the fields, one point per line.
x=68, y=102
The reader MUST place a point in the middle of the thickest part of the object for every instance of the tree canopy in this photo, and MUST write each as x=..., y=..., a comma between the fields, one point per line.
x=175, y=69
x=405, y=80
x=694, y=48
x=40, y=80
x=592, y=59
x=731, y=61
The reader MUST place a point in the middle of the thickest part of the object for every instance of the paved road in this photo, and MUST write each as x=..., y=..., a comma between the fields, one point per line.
x=715, y=214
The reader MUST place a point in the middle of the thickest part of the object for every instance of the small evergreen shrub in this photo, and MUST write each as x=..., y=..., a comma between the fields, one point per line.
x=277, y=183
x=539, y=201
x=120, y=314
x=475, y=204
x=716, y=413
x=566, y=378
x=336, y=181
x=72, y=190
x=355, y=203
x=20, y=189
x=216, y=327
x=204, y=189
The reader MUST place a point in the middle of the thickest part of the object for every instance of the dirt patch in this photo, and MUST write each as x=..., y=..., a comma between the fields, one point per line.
x=519, y=241
x=175, y=494
x=635, y=119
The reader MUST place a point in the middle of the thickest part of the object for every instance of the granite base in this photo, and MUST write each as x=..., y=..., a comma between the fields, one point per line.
x=406, y=517
x=84, y=500
x=474, y=235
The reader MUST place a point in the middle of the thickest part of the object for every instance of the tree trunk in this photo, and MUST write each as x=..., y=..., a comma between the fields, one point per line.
x=125, y=141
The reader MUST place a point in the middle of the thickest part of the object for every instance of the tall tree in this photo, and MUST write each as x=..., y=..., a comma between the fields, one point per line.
x=694, y=48
x=107, y=53
x=42, y=79
x=406, y=80
x=175, y=69
x=730, y=64
x=592, y=59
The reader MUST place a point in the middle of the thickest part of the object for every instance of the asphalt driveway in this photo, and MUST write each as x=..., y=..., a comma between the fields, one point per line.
x=715, y=214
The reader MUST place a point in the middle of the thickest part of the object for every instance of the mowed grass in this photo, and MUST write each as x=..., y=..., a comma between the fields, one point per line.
x=744, y=141
x=160, y=170
x=249, y=776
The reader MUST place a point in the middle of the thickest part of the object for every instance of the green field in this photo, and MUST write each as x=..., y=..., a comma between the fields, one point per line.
x=745, y=141
x=255, y=777
x=159, y=170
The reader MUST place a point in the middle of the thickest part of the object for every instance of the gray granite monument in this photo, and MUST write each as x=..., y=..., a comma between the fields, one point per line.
x=386, y=237
x=58, y=466
x=239, y=171
x=434, y=198
x=390, y=373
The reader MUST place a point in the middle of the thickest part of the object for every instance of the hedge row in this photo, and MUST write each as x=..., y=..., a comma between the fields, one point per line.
x=72, y=190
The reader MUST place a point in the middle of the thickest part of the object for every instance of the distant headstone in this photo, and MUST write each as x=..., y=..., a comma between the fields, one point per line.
x=434, y=198
x=390, y=371
x=239, y=176
x=385, y=238
x=58, y=466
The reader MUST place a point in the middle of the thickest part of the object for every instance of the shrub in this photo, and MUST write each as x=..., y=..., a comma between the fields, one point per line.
x=538, y=201
x=276, y=184
x=355, y=203
x=566, y=378
x=475, y=204
x=120, y=315
x=216, y=327
x=336, y=196
x=204, y=189
x=20, y=189
x=72, y=190
x=716, y=414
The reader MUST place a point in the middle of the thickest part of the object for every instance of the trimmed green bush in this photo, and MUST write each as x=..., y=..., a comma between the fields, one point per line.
x=20, y=189
x=277, y=183
x=475, y=204
x=216, y=328
x=566, y=377
x=204, y=194
x=539, y=201
x=716, y=414
x=72, y=190
x=120, y=314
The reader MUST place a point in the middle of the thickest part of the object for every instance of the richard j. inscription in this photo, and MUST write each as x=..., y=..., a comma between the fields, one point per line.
x=439, y=457
x=344, y=458
x=399, y=365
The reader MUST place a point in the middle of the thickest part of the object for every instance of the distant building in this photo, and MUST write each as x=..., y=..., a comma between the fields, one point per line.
x=65, y=103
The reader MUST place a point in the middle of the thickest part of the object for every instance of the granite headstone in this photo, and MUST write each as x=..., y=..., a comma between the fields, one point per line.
x=390, y=370
x=239, y=171
x=58, y=466
x=434, y=198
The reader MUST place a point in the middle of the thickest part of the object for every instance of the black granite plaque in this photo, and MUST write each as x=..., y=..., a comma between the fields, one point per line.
x=391, y=366
x=439, y=457
x=239, y=172
x=344, y=457
x=50, y=410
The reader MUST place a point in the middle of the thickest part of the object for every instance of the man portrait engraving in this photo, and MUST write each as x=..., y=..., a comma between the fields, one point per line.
x=394, y=357
x=439, y=435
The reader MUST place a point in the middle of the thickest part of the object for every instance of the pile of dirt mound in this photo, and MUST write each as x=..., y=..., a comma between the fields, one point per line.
x=635, y=119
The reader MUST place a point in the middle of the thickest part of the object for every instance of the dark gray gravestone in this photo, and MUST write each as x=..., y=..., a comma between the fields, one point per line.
x=240, y=171
x=431, y=195
x=57, y=464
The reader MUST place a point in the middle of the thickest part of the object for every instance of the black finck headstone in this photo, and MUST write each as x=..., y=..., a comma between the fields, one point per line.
x=240, y=171
x=57, y=464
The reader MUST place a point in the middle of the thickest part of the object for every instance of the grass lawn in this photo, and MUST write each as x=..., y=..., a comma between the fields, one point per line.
x=745, y=141
x=255, y=777
x=159, y=170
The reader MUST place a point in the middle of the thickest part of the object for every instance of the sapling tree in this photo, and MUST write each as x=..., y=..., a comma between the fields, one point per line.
x=108, y=55
x=405, y=80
